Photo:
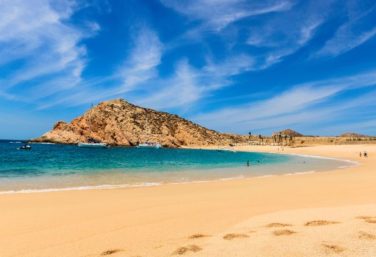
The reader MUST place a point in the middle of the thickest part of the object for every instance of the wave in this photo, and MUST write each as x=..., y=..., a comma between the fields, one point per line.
x=79, y=188
x=300, y=173
x=323, y=157
x=42, y=143
x=146, y=184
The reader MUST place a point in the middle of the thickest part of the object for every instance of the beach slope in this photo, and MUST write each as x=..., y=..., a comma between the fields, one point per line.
x=318, y=214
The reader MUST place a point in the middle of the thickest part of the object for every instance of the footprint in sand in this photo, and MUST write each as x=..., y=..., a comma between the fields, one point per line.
x=232, y=236
x=278, y=225
x=196, y=236
x=185, y=249
x=366, y=236
x=110, y=252
x=283, y=232
x=320, y=223
x=368, y=219
x=331, y=248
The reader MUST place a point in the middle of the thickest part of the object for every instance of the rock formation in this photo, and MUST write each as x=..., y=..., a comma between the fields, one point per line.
x=118, y=122
x=352, y=134
x=288, y=132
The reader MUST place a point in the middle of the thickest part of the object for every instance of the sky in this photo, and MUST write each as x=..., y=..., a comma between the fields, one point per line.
x=235, y=66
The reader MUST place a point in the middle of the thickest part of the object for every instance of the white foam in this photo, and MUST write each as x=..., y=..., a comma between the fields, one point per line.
x=146, y=184
x=323, y=157
x=266, y=176
x=232, y=178
x=300, y=173
x=80, y=188
x=42, y=143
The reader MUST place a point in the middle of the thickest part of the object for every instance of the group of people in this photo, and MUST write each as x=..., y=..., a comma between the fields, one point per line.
x=364, y=154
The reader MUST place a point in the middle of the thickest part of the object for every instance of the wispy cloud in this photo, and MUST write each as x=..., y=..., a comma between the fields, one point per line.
x=139, y=68
x=289, y=107
x=282, y=36
x=143, y=60
x=216, y=15
x=347, y=115
x=139, y=80
x=178, y=91
x=356, y=31
x=188, y=84
x=189, y=66
x=37, y=35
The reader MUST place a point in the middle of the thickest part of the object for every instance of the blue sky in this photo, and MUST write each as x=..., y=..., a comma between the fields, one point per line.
x=230, y=65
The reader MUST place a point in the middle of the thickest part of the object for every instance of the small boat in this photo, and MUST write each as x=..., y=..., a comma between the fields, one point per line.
x=92, y=145
x=24, y=147
x=149, y=145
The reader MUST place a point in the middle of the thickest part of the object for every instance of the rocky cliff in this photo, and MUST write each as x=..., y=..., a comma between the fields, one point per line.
x=118, y=122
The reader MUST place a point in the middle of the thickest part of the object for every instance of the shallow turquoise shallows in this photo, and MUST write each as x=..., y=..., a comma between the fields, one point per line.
x=49, y=166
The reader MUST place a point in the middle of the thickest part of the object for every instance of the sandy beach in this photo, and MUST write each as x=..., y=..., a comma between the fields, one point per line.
x=318, y=214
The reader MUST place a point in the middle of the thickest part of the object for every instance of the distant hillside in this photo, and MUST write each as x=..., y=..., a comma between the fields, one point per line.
x=118, y=122
x=352, y=134
x=288, y=132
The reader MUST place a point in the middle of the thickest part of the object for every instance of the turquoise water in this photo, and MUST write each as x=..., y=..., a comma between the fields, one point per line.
x=49, y=166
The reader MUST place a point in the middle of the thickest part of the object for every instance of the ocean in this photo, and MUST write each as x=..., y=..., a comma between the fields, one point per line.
x=50, y=167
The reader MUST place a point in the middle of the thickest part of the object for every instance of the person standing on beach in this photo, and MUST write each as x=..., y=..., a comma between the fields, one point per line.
x=365, y=154
x=360, y=154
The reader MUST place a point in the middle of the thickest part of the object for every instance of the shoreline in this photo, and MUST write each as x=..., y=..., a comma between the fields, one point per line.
x=351, y=163
x=156, y=221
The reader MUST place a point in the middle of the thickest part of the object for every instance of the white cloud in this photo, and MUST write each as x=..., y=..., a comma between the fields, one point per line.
x=284, y=35
x=333, y=119
x=355, y=32
x=188, y=85
x=178, y=91
x=233, y=65
x=289, y=107
x=143, y=60
x=142, y=84
x=139, y=67
x=218, y=14
x=37, y=35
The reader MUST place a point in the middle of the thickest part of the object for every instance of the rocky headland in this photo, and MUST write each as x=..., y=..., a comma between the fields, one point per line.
x=117, y=122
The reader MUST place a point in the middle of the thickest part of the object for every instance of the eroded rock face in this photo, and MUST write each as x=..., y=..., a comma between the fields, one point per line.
x=118, y=122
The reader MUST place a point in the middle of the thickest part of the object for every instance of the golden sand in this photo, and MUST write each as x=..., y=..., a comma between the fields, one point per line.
x=160, y=221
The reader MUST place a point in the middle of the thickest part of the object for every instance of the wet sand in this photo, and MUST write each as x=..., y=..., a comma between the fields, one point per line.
x=320, y=214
